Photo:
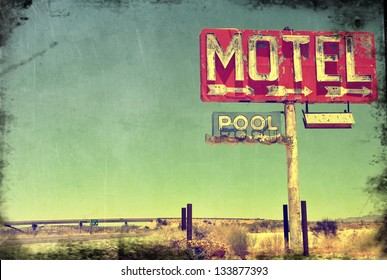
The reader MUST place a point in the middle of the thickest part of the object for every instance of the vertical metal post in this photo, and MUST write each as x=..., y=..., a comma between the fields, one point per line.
x=304, y=228
x=293, y=184
x=286, y=228
x=34, y=227
x=189, y=221
x=183, y=218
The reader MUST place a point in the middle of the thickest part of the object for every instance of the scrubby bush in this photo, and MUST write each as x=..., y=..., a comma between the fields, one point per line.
x=161, y=222
x=382, y=235
x=237, y=240
x=253, y=227
x=201, y=232
x=328, y=228
x=271, y=244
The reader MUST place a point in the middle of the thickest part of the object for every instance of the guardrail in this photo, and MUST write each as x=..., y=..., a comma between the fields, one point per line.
x=77, y=221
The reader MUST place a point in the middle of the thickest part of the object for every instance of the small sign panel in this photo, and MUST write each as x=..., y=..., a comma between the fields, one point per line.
x=238, y=124
x=328, y=120
x=280, y=66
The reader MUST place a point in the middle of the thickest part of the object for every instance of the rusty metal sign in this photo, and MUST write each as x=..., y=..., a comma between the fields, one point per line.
x=281, y=66
x=239, y=124
x=246, y=127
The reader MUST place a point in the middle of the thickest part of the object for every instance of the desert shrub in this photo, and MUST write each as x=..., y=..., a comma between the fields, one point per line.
x=382, y=235
x=269, y=245
x=265, y=224
x=161, y=222
x=237, y=239
x=273, y=244
x=206, y=249
x=347, y=244
x=201, y=232
x=328, y=228
x=253, y=227
x=168, y=236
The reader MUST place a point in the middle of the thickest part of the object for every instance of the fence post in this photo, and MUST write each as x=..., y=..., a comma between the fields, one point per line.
x=183, y=218
x=286, y=228
x=189, y=221
x=304, y=223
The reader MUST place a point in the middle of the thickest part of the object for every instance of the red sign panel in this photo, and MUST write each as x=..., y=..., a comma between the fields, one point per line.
x=279, y=66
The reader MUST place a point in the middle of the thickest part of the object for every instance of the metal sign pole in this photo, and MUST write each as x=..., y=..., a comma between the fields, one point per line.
x=293, y=184
x=286, y=228
x=189, y=221
x=183, y=218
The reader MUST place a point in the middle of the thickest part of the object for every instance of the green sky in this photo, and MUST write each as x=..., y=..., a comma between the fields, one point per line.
x=108, y=120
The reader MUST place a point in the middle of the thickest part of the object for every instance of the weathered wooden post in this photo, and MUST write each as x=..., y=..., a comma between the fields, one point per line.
x=286, y=228
x=304, y=228
x=293, y=184
x=183, y=218
x=189, y=221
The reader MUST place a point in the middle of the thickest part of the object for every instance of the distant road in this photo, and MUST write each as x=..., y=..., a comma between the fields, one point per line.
x=62, y=238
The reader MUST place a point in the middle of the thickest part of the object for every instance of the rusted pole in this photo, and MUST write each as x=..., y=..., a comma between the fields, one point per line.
x=183, y=218
x=304, y=228
x=286, y=228
x=295, y=243
x=189, y=221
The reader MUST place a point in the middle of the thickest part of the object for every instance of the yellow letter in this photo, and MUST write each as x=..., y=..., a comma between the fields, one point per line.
x=321, y=58
x=224, y=121
x=261, y=119
x=350, y=63
x=241, y=118
x=235, y=47
x=269, y=125
x=253, y=73
x=297, y=40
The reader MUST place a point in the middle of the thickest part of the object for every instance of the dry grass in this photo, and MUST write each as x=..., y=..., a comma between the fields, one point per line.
x=347, y=244
x=356, y=244
x=240, y=239
x=235, y=237
x=266, y=245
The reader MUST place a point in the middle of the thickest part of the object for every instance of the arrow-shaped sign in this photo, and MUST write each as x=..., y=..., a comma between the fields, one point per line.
x=220, y=89
x=340, y=91
x=283, y=91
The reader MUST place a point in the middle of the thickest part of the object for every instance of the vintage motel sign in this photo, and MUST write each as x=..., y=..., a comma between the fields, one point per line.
x=287, y=66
